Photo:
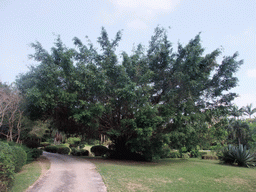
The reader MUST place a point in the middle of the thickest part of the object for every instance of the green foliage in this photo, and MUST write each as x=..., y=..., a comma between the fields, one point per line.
x=44, y=144
x=74, y=141
x=35, y=153
x=51, y=149
x=185, y=156
x=194, y=153
x=20, y=157
x=174, y=154
x=63, y=150
x=202, y=154
x=239, y=132
x=237, y=155
x=166, y=151
x=7, y=166
x=148, y=99
x=79, y=152
x=28, y=152
x=99, y=150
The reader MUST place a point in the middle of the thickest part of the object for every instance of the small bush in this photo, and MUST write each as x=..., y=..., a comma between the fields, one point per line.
x=44, y=144
x=51, y=149
x=200, y=154
x=84, y=152
x=35, y=153
x=63, y=150
x=194, y=153
x=185, y=156
x=79, y=152
x=20, y=157
x=29, y=154
x=99, y=150
x=165, y=152
x=74, y=141
x=174, y=154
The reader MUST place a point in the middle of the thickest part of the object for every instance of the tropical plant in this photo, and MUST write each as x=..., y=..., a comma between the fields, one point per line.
x=239, y=155
x=249, y=110
x=239, y=132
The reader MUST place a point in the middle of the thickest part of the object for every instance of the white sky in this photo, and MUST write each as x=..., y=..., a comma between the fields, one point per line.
x=230, y=24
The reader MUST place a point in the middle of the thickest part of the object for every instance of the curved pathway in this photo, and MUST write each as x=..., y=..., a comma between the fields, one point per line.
x=67, y=174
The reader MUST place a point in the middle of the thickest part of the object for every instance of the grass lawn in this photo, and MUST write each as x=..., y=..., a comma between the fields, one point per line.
x=29, y=174
x=175, y=175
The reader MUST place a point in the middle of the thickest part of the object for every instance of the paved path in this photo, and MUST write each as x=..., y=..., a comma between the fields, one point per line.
x=68, y=174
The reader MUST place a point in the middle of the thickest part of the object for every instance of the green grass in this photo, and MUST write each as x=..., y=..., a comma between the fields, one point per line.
x=29, y=174
x=175, y=175
x=26, y=177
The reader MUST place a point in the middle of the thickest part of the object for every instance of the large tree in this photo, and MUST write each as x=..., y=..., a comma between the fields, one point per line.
x=149, y=98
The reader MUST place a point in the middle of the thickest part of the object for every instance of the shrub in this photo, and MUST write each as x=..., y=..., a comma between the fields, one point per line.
x=165, y=151
x=32, y=143
x=51, y=148
x=7, y=166
x=200, y=154
x=74, y=141
x=29, y=154
x=44, y=144
x=194, y=153
x=185, y=155
x=99, y=150
x=79, y=152
x=239, y=155
x=174, y=154
x=35, y=153
x=84, y=152
x=20, y=157
x=63, y=150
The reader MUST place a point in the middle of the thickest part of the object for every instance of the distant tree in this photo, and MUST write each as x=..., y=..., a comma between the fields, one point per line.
x=249, y=110
x=236, y=112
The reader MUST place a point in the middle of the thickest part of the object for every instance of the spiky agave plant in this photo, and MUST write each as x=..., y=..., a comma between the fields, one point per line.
x=243, y=156
x=240, y=155
x=226, y=155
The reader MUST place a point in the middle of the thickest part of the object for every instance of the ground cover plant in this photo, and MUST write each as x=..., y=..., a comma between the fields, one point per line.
x=174, y=175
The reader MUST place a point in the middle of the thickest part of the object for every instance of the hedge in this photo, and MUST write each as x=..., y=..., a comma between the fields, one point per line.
x=79, y=152
x=99, y=150
x=7, y=166
x=20, y=157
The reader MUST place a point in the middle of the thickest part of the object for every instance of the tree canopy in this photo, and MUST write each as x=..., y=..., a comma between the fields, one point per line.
x=141, y=102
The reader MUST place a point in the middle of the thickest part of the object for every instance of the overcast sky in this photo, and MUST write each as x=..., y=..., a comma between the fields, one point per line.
x=229, y=25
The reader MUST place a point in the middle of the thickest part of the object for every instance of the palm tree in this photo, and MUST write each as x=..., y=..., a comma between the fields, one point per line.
x=249, y=110
x=236, y=112
x=239, y=131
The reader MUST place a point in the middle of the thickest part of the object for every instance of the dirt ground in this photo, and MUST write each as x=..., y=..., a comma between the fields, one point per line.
x=68, y=174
